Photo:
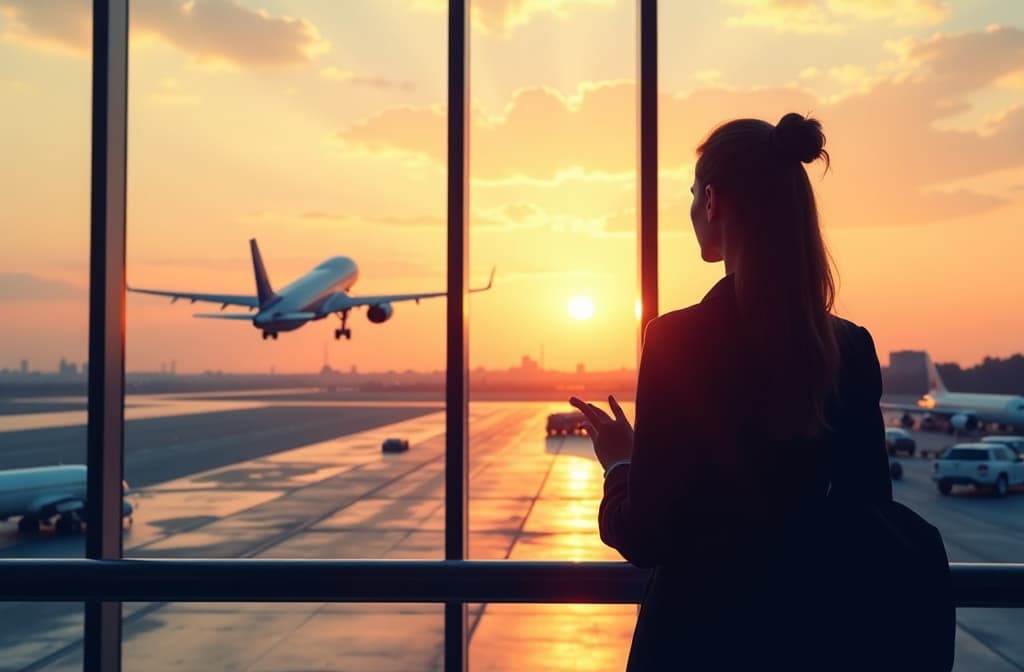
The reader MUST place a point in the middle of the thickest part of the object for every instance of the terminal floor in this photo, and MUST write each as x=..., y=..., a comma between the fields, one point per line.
x=531, y=499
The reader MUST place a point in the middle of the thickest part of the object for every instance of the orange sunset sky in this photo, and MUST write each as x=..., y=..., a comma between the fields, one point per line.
x=318, y=127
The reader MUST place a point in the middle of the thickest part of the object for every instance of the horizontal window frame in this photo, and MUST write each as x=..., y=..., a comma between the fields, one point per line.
x=975, y=585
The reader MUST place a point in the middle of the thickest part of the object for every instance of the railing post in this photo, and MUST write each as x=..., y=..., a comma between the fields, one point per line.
x=456, y=389
x=647, y=159
x=105, y=431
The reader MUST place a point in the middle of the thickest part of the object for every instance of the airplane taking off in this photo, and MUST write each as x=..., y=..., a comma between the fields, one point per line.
x=42, y=493
x=321, y=292
x=960, y=409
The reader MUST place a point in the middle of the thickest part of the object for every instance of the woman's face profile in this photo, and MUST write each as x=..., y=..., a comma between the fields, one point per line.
x=708, y=232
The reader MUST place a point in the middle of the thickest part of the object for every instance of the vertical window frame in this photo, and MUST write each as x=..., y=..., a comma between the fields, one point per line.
x=105, y=424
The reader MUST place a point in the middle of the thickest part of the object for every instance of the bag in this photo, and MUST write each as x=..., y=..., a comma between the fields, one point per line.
x=871, y=588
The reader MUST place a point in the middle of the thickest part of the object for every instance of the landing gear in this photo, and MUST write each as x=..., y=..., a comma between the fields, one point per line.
x=28, y=525
x=68, y=524
x=344, y=331
x=269, y=334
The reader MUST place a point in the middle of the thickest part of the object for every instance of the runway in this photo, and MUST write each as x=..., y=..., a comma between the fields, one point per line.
x=209, y=486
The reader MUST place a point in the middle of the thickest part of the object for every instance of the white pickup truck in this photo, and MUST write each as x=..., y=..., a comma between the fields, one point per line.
x=983, y=465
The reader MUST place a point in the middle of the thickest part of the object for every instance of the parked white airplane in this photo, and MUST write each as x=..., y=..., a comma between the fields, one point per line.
x=962, y=410
x=321, y=292
x=42, y=493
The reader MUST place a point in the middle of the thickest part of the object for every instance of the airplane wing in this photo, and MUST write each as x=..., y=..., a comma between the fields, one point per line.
x=225, y=316
x=910, y=408
x=224, y=299
x=940, y=410
x=344, y=302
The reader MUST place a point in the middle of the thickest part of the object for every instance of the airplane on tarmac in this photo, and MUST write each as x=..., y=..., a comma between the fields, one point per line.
x=960, y=409
x=321, y=292
x=40, y=494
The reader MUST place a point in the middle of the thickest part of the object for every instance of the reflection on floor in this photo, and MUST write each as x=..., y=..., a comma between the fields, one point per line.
x=345, y=499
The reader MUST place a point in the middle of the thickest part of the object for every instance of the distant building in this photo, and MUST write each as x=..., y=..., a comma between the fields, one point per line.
x=24, y=366
x=174, y=367
x=907, y=372
x=529, y=364
x=66, y=368
x=580, y=369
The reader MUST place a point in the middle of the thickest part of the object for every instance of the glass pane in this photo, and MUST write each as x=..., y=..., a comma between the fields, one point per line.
x=265, y=435
x=920, y=106
x=38, y=635
x=579, y=637
x=45, y=75
x=271, y=637
x=553, y=193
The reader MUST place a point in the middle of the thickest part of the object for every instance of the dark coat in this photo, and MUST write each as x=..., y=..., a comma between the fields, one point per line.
x=708, y=495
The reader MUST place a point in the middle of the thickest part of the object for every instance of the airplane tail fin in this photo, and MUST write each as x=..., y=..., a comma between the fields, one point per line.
x=263, y=289
x=935, y=383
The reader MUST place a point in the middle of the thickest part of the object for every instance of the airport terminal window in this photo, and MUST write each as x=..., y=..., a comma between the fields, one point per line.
x=45, y=75
x=553, y=194
x=579, y=637
x=285, y=636
x=264, y=436
x=913, y=182
x=221, y=501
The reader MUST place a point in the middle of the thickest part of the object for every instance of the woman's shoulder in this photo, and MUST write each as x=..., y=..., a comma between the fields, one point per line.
x=689, y=322
x=852, y=336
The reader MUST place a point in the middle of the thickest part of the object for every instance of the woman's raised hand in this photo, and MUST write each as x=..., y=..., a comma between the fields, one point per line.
x=612, y=435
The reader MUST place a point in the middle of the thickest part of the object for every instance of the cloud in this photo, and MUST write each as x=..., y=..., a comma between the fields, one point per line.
x=506, y=146
x=171, y=92
x=27, y=287
x=324, y=217
x=833, y=16
x=797, y=16
x=900, y=12
x=891, y=158
x=500, y=17
x=335, y=74
x=212, y=31
x=516, y=215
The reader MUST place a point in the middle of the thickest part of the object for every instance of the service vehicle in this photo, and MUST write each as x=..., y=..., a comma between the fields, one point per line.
x=899, y=441
x=983, y=465
x=1016, y=443
x=565, y=423
x=394, y=445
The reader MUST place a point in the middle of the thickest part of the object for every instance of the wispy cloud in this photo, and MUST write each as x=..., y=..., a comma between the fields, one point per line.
x=336, y=74
x=211, y=31
x=833, y=16
x=28, y=287
x=500, y=17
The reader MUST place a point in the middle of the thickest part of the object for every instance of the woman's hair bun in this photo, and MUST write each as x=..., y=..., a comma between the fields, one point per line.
x=800, y=137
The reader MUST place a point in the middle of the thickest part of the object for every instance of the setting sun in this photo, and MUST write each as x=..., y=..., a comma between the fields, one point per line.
x=581, y=308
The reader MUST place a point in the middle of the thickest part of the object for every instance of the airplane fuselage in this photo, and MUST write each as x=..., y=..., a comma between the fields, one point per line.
x=20, y=489
x=1000, y=408
x=306, y=295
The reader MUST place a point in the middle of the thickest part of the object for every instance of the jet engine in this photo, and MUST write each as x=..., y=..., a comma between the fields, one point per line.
x=380, y=312
x=964, y=421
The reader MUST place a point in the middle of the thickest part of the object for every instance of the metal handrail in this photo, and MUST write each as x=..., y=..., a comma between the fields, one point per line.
x=75, y=580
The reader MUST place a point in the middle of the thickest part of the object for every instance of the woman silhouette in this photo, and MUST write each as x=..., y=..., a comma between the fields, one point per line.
x=748, y=404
